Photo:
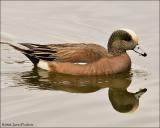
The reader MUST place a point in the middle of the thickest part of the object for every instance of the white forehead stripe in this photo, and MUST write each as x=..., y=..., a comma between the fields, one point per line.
x=132, y=33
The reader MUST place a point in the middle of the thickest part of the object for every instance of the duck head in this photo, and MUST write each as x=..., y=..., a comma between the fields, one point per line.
x=122, y=40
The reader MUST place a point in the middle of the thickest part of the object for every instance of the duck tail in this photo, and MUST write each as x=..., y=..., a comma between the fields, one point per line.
x=15, y=47
x=27, y=52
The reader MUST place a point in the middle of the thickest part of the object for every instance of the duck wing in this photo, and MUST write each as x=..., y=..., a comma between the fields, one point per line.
x=75, y=53
x=69, y=52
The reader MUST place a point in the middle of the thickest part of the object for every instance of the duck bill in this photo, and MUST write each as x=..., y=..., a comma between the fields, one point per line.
x=138, y=50
x=140, y=93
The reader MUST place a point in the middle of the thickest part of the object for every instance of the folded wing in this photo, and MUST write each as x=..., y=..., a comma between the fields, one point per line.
x=68, y=52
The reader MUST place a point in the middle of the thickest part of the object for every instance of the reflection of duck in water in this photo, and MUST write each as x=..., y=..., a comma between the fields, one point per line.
x=124, y=101
x=75, y=84
x=120, y=98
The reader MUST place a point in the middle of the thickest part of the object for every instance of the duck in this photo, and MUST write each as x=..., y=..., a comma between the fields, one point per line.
x=84, y=58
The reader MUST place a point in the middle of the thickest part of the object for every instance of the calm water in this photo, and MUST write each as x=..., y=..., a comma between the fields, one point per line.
x=41, y=98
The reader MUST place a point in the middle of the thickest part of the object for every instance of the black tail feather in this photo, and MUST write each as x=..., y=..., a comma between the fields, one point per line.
x=35, y=52
x=33, y=46
x=33, y=59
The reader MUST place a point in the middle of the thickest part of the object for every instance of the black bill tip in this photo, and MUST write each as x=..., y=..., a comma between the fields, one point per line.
x=144, y=54
x=140, y=93
x=143, y=90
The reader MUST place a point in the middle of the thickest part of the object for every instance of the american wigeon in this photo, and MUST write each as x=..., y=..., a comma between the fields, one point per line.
x=85, y=59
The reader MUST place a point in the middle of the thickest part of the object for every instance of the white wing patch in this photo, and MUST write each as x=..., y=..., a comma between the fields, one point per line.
x=81, y=63
x=43, y=65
